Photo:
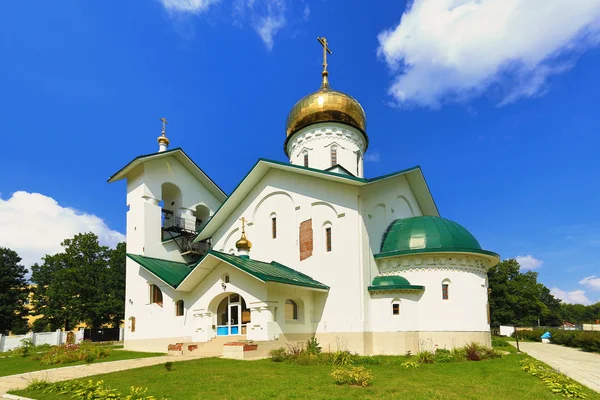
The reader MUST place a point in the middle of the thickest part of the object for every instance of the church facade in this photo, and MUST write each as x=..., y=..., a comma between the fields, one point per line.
x=299, y=249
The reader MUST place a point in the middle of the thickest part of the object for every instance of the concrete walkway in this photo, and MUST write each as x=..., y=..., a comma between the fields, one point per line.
x=576, y=364
x=21, y=381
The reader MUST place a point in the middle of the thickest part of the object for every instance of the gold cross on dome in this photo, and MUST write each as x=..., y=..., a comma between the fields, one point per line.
x=243, y=223
x=326, y=50
x=164, y=121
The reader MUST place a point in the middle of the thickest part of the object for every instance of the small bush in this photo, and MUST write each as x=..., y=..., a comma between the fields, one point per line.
x=85, y=351
x=499, y=343
x=473, y=351
x=342, y=357
x=443, y=356
x=425, y=357
x=312, y=346
x=294, y=350
x=307, y=359
x=459, y=354
x=358, y=376
x=411, y=364
x=366, y=360
x=169, y=365
x=408, y=353
x=278, y=355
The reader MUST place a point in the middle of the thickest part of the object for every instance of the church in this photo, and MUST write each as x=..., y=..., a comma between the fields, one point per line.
x=299, y=249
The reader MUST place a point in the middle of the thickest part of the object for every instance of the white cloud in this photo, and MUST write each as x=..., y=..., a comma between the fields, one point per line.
x=306, y=12
x=451, y=50
x=574, y=297
x=271, y=22
x=591, y=281
x=372, y=157
x=188, y=6
x=33, y=225
x=529, y=262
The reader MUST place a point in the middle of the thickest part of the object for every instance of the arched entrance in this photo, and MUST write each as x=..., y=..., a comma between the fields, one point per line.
x=232, y=316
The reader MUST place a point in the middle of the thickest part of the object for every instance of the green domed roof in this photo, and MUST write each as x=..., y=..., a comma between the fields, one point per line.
x=392, y=282
x=428, y=234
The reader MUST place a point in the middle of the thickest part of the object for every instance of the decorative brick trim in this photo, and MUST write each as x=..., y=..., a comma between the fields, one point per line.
x=306, y=239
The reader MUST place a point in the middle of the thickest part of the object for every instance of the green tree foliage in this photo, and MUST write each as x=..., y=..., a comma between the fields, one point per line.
x=13, y=291
x=86, y=282
x=517, y=297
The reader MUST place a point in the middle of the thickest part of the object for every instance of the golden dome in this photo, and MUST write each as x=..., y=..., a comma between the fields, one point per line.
x=326, y=105
x=162, y=139
x=243, y=243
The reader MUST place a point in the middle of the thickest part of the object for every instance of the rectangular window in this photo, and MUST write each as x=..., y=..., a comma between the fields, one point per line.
x=306, y=159
x=328, y=239
x=333, y=156
x=274, y=227
x=445, y=291
x=396, y=309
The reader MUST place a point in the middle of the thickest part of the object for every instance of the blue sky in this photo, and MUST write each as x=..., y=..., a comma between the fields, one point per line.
x=497, y=101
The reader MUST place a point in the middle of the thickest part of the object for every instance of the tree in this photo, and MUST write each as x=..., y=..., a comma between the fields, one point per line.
x=83, y=283
x=517, y=298
x=13, y=291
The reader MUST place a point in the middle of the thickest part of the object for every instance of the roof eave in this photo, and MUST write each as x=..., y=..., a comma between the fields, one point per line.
x=490, y=255
x=396, y=287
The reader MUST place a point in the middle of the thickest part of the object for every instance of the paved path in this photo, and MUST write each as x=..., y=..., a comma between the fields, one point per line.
x=21, y=381
x=576, y=364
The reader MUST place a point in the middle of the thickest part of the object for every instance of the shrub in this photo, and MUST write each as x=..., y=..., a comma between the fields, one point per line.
x=358, y=376
x=312, y=346
x=295, y=350
x=586, y=340
x=307, y=359
x=411, y=364
x=169, y=365
x=26, y=347
x=408, y=353
x=556, y=382
x=278, y=355
x=499, y=343
x=459, y=354
x=473, y=351
x=342, y=357
x=443, y=356
x=425, y=357
x=85, y=351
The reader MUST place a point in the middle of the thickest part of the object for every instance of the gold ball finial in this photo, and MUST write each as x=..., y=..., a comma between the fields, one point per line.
x=162, y=139
x=243, y=243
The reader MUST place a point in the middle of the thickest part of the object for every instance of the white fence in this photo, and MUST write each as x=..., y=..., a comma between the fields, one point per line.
x=57, y=337
x=506, y=330
x=591, y=327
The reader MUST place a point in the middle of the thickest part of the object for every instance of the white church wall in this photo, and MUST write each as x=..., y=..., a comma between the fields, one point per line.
x=466, y=308
x=316, y=140
x=385, y=202
x=299, y=198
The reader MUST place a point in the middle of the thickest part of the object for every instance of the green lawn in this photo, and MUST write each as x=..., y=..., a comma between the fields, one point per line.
x=214, y=378
x=18, y=365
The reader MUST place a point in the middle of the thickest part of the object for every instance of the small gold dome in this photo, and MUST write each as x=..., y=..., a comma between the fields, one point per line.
x=326, y=105
x=162, y=139
x=243, y=243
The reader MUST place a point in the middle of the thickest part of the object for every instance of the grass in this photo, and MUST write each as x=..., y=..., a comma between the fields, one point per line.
x=18, y=365
x=214, y=378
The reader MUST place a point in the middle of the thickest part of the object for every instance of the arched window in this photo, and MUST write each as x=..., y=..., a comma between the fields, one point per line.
x=156, y=295
x=225, y=278
x=274, y=227
x=446, y=289
x=291, y=309
x=179, y=308
x=132, y=322
x=333, y=156
x=328, y=239
x=395, y=307
x=306, y=159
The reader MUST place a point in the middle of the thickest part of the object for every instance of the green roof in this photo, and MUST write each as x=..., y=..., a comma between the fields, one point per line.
x=427, y=234
x=170, y=272
x=392, y=282
x=173, y=273
x=270, y=272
